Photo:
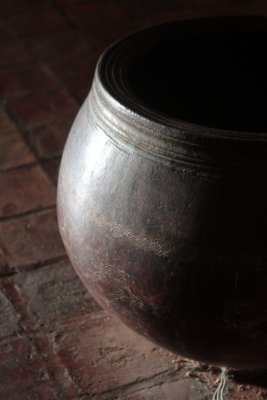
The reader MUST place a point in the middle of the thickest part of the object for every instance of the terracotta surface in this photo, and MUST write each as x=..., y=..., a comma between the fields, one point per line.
x=165, y=220
x=56, y=342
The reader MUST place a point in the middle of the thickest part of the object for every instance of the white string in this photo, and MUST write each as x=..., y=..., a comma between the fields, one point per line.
x=218, y=394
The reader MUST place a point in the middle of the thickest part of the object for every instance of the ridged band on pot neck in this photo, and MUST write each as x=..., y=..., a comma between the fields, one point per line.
x=132, y=124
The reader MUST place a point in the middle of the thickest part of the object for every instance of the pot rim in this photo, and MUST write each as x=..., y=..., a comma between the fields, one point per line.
x=110, y=81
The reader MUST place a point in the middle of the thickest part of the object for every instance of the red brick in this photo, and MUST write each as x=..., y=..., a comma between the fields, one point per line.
x=60, y=45
x=25, y=189
x=86, y=16
x=104, y=355
x=246, y=391
x=31, y=239
x=154, y=7
x=184, y=389
x=3, y=259
x=6, y=124
x=13, y=53
x=148, y=7
x=52, y=168
x=231, y=8
x=159, y=17
x=80, y=92
x=3, y=28
x=37, y=21
x=172, y=11
x=222, y=7
x=49, y=140
x=55, y=294
x=67, y=2
x=23, y=374
x=37, y=109
x=5, y=31
x=22, y=80
x=13, y=150
x=9, y=319
x=105, y=36
x=12, y=6
x=82, y=66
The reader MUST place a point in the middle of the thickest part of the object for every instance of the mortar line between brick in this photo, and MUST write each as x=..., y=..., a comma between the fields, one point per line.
x=32, y=267
x=19, y=304
x=26, y=213
x=27, y=36
x=42, y=344
x=168, y=375
x=55, y=367
x=62, y=85
x=156, y=380
x=36, y=63
x=54, y=327
x=19, y=167
x=19, y=127
x=23, y=132
x=70, y=23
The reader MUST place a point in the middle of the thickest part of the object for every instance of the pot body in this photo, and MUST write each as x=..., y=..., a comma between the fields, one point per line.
x=167, y=228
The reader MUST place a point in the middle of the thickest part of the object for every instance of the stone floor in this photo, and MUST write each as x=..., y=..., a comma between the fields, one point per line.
x=55, y=341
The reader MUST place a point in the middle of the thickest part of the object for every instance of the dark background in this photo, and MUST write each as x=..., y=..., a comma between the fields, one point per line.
x=55, y=342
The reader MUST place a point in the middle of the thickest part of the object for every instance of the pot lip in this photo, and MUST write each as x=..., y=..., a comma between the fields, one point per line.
x=110, y=82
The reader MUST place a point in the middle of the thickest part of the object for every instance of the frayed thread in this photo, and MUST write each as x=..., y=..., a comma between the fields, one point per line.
x=218, y=394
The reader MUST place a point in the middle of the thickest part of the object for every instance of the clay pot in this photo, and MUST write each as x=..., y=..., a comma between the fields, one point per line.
x=162, y=193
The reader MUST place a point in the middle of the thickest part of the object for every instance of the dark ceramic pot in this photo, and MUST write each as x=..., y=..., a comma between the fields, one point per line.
x=162, y=193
